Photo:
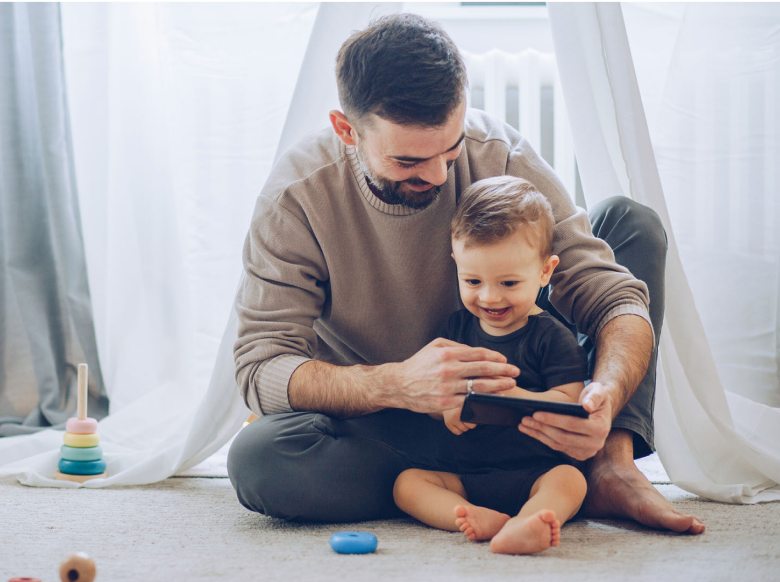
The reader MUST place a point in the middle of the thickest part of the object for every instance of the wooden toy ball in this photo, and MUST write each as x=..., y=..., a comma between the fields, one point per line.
x=78, y=567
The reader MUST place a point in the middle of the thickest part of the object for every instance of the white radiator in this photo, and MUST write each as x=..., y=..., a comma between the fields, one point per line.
x=520, y=89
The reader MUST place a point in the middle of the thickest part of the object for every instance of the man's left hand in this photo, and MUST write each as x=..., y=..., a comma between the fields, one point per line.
x=580, y=438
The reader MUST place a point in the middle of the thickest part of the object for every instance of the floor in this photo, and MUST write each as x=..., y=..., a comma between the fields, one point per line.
x=191, y=528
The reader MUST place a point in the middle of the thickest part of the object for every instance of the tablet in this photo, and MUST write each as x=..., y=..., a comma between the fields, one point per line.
x=480, y=408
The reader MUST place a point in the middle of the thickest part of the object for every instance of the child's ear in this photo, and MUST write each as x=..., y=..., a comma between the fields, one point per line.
x=548, y=268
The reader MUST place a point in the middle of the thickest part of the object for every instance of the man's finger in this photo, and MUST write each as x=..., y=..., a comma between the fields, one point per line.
x=593, y=400
x=469, y=354
x=576, y=452
x=443, y=342
x=489, y=385
x=564, y=440
x=484, y=369
x=573, y=424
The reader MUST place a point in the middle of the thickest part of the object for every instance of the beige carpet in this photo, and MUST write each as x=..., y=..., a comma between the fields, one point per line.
x=192, y=528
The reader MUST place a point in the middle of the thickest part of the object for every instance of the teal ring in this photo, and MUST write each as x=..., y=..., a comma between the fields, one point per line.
x=82, y=467
x=81, y=454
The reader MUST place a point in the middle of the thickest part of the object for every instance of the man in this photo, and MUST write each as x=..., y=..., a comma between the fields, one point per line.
x=349, y=275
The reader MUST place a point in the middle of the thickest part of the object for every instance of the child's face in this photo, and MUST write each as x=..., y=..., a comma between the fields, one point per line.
x=499, y=282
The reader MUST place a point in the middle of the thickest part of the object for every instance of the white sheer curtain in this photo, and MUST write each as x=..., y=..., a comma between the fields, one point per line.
x=711, y=75
x=177, y=110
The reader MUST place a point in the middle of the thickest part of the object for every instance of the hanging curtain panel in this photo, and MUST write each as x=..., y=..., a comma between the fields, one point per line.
x=177, y=110
x=46, y=324
x=710, y=175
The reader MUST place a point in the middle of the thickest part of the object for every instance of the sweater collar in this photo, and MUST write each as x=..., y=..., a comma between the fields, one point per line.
x=360, y=177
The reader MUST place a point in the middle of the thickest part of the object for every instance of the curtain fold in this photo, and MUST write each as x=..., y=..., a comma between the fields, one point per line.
x=172, y=148
x=46, y=321
x=177, y=110
x=713, y=443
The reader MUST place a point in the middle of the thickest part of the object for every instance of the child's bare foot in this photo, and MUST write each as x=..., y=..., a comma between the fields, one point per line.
x=528, y=535
x=479, y=523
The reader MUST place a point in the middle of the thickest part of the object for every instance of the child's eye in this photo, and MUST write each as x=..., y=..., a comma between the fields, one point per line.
x=473, y=281
x=510, y=283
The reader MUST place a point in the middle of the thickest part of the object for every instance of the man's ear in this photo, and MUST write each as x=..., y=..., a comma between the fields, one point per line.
x=548, y=268
x=343, y=128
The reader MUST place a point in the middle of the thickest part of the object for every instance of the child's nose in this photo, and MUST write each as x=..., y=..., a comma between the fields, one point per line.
x=489, y=295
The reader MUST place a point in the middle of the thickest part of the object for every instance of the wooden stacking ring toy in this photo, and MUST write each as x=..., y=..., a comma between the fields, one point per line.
x=81, y=440
x=80, y=456
x=82, y=467
x=79, y=426
x=78, y=568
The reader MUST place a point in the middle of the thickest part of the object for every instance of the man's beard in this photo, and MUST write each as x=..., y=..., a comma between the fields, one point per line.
x=391, y=191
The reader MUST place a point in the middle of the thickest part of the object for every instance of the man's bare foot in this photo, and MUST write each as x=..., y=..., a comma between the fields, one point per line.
x=479, y=523
x=620, y=490
x=528, y=535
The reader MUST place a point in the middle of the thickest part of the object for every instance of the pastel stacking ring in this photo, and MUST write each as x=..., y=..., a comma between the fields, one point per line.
x=79, y=426
x=81, y=440
x=82, y=467
x=81, y=454
x=353, y=542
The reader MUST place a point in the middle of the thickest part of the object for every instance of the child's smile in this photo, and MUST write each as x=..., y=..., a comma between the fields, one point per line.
x=499, y=282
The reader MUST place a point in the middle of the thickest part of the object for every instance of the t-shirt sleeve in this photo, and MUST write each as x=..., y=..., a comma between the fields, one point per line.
x=562, y=359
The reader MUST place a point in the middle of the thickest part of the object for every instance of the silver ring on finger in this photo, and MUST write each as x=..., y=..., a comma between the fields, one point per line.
x=470, y=386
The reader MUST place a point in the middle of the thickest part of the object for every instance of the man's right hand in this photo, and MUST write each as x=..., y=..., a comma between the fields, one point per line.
x=435, y=378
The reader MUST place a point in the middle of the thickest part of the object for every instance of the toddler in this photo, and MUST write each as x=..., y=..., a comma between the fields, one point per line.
x=513, y=490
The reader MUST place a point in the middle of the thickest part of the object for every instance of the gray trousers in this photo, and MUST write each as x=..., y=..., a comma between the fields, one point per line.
x=306, y=466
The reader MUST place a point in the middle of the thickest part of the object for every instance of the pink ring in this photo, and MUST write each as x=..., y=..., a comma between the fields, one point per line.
x=86, y=426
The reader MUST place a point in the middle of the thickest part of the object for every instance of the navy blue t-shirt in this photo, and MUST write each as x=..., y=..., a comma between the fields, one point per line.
x=544, y=350
x=548, y=355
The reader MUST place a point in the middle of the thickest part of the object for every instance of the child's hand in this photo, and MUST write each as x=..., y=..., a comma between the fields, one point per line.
x=453, y=421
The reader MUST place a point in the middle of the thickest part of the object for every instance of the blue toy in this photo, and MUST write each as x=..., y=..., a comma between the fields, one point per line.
x=353, y=542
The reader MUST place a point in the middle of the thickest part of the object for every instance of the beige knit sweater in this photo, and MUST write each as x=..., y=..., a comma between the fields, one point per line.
x=335, y=274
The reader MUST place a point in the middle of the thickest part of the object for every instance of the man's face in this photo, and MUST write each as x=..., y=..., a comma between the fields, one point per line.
x=409, y=164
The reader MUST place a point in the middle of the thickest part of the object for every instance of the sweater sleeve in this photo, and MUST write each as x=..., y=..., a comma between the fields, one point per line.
x=588, y=287
x=283, y=291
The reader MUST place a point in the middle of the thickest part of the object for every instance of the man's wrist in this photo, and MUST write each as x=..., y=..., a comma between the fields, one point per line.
x=381, y=382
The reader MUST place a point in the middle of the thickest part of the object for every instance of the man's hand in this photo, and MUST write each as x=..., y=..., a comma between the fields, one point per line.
x=580, y=438
x=435, y=378
x=453, y=421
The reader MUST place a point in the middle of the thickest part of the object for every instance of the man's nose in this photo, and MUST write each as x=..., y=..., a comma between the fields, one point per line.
x=435, y=171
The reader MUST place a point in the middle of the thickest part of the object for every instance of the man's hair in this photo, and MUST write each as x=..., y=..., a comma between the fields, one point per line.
x=403, y=68
x=490, y=210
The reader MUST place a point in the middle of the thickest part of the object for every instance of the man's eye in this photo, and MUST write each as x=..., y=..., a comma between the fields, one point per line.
x=403, y=165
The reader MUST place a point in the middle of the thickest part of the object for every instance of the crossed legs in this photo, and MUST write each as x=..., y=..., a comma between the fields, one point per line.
x=439, y=499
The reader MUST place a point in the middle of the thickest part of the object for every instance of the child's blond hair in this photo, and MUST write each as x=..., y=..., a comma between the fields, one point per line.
x=492, y=209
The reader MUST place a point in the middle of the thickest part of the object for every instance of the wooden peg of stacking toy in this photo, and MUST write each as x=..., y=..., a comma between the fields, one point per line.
x=81, y=458
x=78, y=567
